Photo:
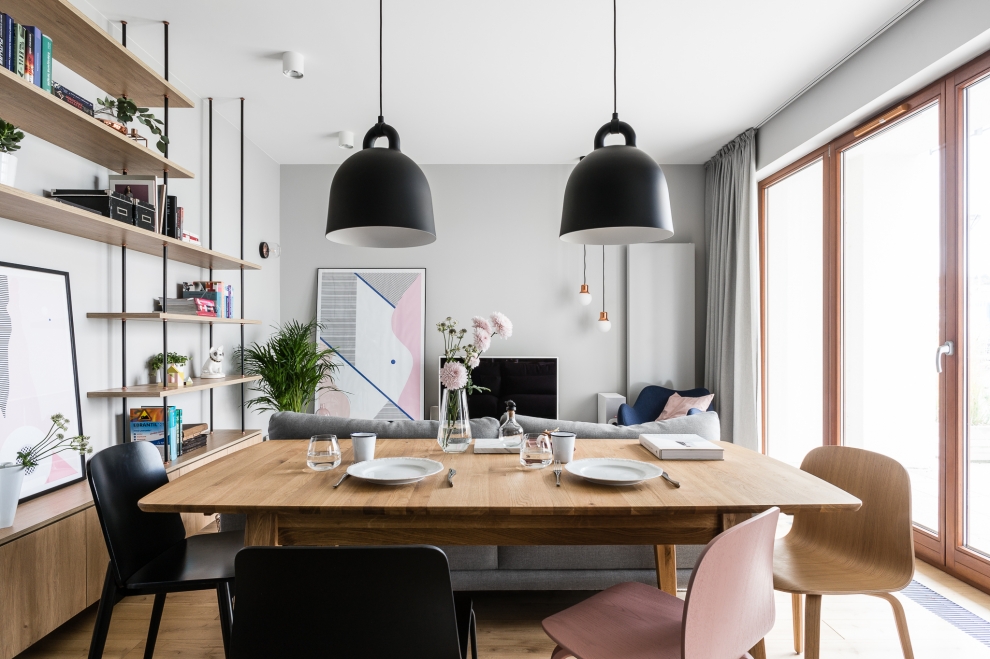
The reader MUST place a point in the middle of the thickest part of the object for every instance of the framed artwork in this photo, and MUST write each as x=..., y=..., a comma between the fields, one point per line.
x=375, y=319
x=38, y=376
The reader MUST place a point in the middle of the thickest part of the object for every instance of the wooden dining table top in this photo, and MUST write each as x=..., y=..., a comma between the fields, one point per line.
x=272, y=477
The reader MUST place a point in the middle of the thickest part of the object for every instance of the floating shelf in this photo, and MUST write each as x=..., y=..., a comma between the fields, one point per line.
x=35, y=111
x=217, y=440
x=173, y=318
x=160, y=391
x=46, y=213
x=87, y=49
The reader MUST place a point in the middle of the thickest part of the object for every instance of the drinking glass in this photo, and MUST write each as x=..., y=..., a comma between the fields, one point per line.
x=323, y=453
x=535, y=451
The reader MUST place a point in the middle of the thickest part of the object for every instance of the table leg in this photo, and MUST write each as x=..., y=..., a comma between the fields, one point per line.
x=261, y=530
x=666, y=556
x=759, y=651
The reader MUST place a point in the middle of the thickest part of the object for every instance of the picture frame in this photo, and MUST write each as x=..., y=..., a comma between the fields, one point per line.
x=39, y=375
x=375, y=320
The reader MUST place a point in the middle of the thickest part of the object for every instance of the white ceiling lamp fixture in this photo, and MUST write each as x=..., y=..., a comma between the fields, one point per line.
x=604, y=324
x=345, y=139
x=293, y=65
x=584, y=296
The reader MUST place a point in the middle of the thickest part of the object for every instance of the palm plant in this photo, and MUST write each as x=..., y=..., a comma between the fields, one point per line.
x=292, y=366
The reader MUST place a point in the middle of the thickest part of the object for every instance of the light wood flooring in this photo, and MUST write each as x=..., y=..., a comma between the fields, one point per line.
x=509, y=626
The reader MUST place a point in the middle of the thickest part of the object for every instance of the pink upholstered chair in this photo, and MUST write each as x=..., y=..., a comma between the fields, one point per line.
x=728, y=608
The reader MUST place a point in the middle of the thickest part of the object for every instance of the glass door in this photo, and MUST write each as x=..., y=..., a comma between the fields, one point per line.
x=892, y=300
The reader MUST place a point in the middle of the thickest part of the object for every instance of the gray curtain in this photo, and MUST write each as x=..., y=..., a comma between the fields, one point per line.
x=732, y=368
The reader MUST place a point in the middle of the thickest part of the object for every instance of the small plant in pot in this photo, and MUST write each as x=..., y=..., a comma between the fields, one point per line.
x=28, y=458
x=156, y=363
x=10, y=139
x=124, y=110
x=292, y=366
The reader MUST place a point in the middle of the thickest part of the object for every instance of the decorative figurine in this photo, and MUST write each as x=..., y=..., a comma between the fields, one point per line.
x=213, y=368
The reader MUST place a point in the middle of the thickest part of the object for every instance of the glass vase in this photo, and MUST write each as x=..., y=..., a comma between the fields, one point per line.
x=454, y=435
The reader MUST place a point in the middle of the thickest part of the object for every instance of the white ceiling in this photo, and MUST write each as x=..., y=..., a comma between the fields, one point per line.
x=506, y=81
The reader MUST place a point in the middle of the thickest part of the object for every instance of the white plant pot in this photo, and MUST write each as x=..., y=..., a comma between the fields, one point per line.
x=11, y=478
x=8, y=168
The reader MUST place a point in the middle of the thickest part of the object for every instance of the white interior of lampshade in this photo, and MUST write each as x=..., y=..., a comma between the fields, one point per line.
x=617, y=236
x=381, y=237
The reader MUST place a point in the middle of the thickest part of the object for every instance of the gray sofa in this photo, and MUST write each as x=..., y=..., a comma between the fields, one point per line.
x=510, y=567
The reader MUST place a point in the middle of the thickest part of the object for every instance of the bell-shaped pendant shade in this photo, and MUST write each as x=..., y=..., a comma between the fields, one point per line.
x=616, y=195
x=380, y=197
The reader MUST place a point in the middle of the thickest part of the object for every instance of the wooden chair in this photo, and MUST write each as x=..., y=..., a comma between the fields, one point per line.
x=728, y=609
x=869, y=551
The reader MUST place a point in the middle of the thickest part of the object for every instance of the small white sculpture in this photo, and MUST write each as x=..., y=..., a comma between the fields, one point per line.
x=213, y=368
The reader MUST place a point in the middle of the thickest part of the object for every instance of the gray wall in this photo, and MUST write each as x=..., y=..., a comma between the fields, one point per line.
x=929, y=42
x=94, y=268
x=497, y=249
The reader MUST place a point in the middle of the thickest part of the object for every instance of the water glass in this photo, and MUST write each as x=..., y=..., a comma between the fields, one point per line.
x=323, y=453
x=535, y=451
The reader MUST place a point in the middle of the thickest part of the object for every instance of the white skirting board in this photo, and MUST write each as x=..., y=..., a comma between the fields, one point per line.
x=660, y=317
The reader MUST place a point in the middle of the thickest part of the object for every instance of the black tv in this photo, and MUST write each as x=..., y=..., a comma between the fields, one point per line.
x=531, y=382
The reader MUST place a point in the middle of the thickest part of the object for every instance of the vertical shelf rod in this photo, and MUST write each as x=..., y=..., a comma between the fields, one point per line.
x=124, y=435
x=242, y=258
x=210, y=220
x=165, y=416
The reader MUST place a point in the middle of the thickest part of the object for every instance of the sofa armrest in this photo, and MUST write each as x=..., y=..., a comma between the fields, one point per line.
x=628, y=416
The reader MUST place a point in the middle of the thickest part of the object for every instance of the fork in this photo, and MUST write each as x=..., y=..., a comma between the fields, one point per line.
x=557, y=471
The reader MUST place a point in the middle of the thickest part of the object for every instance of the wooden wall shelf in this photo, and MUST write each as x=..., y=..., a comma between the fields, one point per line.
x=160, y=391
x=216, y=441
x=46, y=213
x=35, y=111
x=172, y=318
x=87, y=49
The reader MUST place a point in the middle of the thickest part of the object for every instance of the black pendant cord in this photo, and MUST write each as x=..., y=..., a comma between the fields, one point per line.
x=585, y=278
x=615, y=60
x=381, y=113
x=603, y=278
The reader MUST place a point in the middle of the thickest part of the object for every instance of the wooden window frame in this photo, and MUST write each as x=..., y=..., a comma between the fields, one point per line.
x=945, y=551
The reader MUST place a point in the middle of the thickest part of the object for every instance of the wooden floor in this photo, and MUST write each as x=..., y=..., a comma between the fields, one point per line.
x=509, y=626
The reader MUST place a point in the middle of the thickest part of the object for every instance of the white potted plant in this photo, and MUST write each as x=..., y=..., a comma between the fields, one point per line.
x=10, y=139
x=28, y=458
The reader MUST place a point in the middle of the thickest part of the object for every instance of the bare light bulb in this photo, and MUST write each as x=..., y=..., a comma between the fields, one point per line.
x=584, y=297
x=604, y=324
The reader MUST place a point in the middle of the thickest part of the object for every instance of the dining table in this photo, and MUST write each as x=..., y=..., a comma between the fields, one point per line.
x=494, y=500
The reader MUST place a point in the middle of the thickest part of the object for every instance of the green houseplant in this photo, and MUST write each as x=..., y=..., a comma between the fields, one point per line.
x=125, y=111
x=156, y=362
x=10, y=139
x=292, y=366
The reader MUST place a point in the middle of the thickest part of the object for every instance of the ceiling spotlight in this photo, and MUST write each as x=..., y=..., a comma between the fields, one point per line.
x=292, y=65
x=345, y=139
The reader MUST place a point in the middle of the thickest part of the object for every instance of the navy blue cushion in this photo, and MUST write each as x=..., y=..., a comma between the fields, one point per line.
x=651, y=402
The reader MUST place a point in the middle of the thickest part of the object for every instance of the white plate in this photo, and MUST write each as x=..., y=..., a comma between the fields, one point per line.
x=613, y=471
x=395, y=471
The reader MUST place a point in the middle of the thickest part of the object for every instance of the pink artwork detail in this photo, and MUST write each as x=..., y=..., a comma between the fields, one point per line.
x=61, y=469
x=407, y=325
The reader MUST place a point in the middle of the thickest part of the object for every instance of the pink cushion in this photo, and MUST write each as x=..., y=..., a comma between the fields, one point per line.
x=678, y=406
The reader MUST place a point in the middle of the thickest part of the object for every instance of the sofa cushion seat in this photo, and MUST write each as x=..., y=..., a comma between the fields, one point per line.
x=596, y=557
x=705, y=425
x=471, y=557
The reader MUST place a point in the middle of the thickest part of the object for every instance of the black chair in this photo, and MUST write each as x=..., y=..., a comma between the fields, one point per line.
x=349, y=602
x=149, y=552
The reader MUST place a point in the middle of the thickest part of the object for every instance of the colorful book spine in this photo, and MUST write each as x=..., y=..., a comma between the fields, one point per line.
x=9, y=42
x=32, y=48
x=73, y=99
x=229, y=301
x=3, y=40
x=19, y=46
x=46, y=63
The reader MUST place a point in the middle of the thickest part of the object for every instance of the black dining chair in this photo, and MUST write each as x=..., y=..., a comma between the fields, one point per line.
x=149, y=552
x=349, y=602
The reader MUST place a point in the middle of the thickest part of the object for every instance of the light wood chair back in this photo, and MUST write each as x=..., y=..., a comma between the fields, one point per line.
x=729, y=606
x=879, y=535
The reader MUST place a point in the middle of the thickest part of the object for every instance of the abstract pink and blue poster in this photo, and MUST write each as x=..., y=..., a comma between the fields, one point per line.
x=37, y=371
x=374, y=320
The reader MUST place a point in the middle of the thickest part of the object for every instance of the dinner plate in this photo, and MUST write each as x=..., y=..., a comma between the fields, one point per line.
x=395, y=471
x=613, y=471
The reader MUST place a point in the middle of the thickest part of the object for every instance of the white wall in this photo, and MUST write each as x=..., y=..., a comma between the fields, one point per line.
x=929, y=42
x=94, y=268
x=497, y=249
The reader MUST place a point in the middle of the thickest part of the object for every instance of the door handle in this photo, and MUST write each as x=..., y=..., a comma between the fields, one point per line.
x=947, y=348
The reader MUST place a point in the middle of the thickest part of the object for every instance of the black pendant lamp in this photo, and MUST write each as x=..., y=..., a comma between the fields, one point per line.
x=617, y=194
x=380, y=197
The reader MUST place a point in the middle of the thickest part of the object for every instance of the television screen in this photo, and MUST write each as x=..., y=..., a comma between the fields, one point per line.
x=531, y=382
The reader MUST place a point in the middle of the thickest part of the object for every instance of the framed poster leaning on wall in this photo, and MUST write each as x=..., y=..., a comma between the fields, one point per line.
x=374, y=318
x=38, y=376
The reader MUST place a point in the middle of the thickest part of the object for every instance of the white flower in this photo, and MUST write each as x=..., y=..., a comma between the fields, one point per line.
x=482, y=339
x=453, y=375
x=474, y=361
x=502, y=325
x=480, y=323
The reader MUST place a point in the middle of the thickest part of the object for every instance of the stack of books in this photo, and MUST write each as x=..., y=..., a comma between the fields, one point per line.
x=221, y=294
x=190, y=307
x=193, y=436
x=148, y=425
x=26, y=52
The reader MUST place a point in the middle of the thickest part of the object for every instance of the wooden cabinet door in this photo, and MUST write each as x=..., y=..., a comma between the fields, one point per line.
x=97, y=558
